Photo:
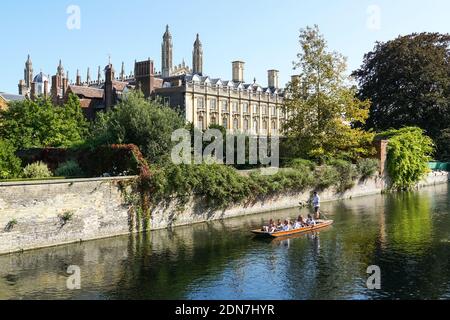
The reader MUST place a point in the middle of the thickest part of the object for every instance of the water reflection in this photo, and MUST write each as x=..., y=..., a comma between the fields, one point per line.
x=407, y=235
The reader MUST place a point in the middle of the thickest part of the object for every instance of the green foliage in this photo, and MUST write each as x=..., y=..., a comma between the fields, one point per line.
x=324, y=107
x=367, y=167
x=29, y=124
x=409, y=151
x=66, y=217
x=443, y=145
x=11, y=224
x=347, y=174
x=9, y=163
x=136, y=120
x=37, y=170
x=301, y=164
x=69, y=168
x=325, y=177
x=408, y=83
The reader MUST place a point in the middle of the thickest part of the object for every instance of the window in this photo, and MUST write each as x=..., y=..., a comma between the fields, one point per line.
x=274, y=125
x=224, y=106
x=235, y=107
x=255, y=108
x=213, y=121
x=264, y=109
x=225, y=122
x=236, y=124
x=255, y=125
x=201, y=123
x=264, y=125
x=200, y=104
x=274, y=111
x=245, y=124
x=245, y=107
x=213, y=104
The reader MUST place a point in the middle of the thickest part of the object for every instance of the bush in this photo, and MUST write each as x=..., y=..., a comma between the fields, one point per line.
x=347, y=175
x=36, y=170
x=9, y=163
x=367, y=168
x=69, y=169
x=325, y=177
x=301, y=164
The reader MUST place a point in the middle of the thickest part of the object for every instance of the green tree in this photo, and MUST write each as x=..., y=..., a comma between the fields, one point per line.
x=323, y=105
x=9, y=163
x=409, y=151
x=136, y=120
x=408, y=83
x=28, y=124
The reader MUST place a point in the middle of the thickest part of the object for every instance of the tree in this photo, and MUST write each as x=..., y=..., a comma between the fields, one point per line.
x=408, y=83
x=9, y=163
x=323, y=105
x=136, y=120
x=30, y=124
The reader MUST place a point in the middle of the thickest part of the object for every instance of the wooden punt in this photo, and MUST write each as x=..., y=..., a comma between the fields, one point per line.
x=320, y=225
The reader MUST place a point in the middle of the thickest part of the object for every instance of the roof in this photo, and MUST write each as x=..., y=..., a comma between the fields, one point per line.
x=87, y=92
x=11, y=97
x=119, y=85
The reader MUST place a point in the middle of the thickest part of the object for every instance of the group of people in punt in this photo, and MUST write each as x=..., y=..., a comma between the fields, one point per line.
x=288, y=225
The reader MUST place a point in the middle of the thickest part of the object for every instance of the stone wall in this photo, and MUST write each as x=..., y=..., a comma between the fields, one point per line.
x=32, y=214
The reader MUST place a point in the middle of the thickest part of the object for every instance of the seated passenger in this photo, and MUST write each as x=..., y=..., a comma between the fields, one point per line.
x=310, y=222
x=268, y=227
x=286, y=226
x=297, y=225
x=279, y=225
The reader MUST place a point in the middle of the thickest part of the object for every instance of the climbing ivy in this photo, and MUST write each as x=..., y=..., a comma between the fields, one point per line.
x=409, y=151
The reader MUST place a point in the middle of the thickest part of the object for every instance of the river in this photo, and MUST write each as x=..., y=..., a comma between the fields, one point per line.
x=406, y=234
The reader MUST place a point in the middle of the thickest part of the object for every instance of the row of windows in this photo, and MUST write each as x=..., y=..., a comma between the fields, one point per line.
x=235, y=107
x=235, y=125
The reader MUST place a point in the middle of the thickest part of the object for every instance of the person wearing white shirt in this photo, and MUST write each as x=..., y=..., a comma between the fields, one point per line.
x=316, y=205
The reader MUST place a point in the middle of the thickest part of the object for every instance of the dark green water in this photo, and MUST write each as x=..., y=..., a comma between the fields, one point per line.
x=407, y=235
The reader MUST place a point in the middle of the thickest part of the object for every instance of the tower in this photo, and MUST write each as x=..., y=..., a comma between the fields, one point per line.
x=167, y=54
x=238, y=71
x=60, y=70
x=78, y=80
x=99, y=75
x=197, y=57
x=28, y=72
x=273, y=78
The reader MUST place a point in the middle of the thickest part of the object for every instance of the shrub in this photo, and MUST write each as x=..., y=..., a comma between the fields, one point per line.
x=325, y=177
x=69, y=169
x=9, y=163
x=367, y=168
x=347, y=175
x=301, y=164
x=36, y=170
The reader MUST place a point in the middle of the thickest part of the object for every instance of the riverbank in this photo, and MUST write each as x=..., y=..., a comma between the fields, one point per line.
x=49, y=213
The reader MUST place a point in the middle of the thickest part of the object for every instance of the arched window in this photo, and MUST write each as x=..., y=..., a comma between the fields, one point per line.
x=245, y=124
x=235, y=124
x=274, y=125
x=225, y=122
x=201, y=123
x=264, y=125
x=213, y=121
x=255, y=126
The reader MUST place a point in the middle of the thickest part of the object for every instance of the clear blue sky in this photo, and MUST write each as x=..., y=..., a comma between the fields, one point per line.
x=263, y=33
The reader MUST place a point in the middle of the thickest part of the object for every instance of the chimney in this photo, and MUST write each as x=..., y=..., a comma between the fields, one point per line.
x=45, y=89
x=33, y=91
x=273, y=78
x=78, y=81
x=238, y=71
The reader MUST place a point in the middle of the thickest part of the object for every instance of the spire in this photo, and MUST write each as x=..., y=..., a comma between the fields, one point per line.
x=60, y=69
x=28, y=72
x=99, y=75
x=78, y=80
x=197, y=57
x=122, y=72
x=88, y=76
x=167, y=53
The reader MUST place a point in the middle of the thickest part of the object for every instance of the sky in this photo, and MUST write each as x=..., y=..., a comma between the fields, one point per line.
x=263, y=33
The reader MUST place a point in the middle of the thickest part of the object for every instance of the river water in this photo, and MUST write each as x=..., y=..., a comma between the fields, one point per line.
x=407, y=235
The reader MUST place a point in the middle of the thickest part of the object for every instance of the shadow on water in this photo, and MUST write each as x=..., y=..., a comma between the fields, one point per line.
x=407, y=235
